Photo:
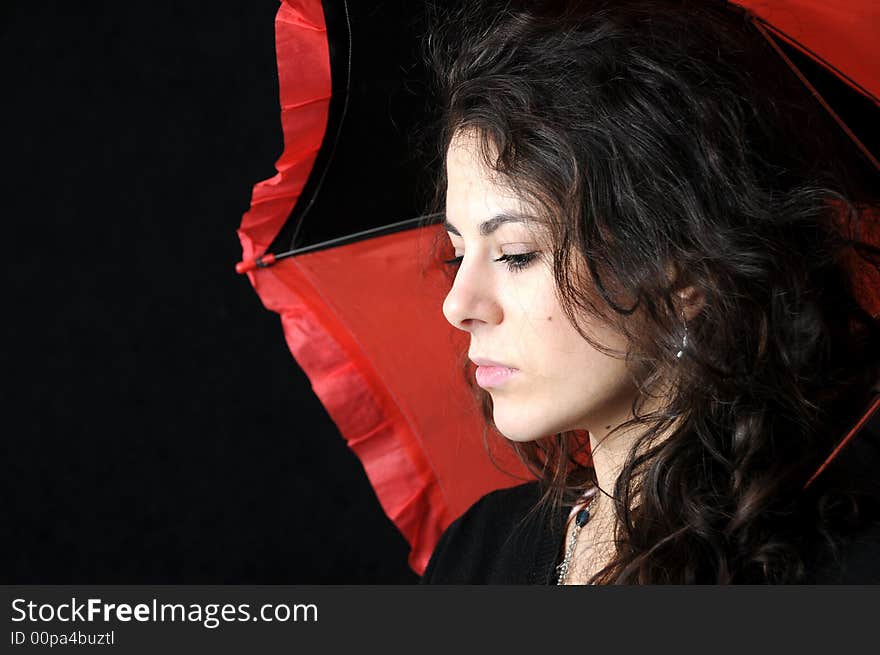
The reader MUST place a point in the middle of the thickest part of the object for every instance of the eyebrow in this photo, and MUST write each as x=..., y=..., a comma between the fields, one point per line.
x=488, y=227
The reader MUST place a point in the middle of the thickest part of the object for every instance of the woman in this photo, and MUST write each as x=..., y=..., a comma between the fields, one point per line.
x=641, y=199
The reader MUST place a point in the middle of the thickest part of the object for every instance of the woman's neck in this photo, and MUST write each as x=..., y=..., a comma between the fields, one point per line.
x=610, y=448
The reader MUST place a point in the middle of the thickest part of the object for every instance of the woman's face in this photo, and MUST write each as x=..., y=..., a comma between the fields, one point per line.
x=511, y=310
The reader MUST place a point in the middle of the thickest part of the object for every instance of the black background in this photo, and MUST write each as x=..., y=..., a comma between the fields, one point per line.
x=156, y=428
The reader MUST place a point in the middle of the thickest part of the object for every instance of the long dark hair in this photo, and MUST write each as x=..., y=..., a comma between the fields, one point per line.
x=667, y=136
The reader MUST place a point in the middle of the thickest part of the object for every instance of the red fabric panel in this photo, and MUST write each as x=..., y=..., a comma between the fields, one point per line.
x=842, y=32
x=355, y=320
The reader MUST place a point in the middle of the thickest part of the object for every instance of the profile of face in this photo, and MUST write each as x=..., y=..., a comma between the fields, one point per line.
x=504, y=296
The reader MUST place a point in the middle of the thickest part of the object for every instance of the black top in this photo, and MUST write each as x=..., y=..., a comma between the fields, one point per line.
x=484, y=546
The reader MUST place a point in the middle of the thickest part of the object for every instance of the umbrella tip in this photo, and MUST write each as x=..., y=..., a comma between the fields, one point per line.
x=245, y=266
x=262, y=261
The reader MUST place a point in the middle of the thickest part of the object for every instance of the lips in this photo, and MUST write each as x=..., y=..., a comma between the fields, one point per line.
x=491, y=373
x=482, y=361
x=494, y=376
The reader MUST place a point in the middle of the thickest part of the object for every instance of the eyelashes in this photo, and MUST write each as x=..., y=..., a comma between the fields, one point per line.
x=514, y=262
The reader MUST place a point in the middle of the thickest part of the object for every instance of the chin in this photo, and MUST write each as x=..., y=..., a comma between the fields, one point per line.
x=522, y=437
x=521, y=430
x=534, y=425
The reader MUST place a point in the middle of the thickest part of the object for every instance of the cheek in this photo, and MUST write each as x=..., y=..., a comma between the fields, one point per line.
x=551, y=346
x=563, y=355
x=557, y=341
x=545, y=337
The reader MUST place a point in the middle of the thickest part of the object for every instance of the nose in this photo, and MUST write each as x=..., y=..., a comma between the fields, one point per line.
x=472, y=300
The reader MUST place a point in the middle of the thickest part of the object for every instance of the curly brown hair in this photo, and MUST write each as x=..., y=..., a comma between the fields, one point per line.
x=657, y=136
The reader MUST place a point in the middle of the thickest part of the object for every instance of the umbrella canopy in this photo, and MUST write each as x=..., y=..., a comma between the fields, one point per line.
x=363, y=320
x=359, y=286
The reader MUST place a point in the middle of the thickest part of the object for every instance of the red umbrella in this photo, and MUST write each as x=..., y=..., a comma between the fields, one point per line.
x=361, y=312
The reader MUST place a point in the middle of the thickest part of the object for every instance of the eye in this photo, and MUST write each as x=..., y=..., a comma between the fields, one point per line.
x=514, y=262
x=518, y=262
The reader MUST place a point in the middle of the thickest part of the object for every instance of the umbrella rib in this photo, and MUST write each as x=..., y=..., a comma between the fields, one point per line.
x=268, y=259
x=819, y=58
x=355, y=236
x=875, y=405
x=867, y=153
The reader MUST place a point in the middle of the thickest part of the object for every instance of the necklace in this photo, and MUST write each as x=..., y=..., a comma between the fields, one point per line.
x=583, y=516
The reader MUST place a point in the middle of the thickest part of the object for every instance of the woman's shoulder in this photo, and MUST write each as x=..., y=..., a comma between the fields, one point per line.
x=499, y=502
x=488, y=543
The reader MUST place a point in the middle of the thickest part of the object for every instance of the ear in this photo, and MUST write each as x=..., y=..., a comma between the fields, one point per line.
x=692, y=301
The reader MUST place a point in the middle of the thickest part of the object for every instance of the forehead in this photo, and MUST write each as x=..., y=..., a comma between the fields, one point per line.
x=464, y=159
x=475, y=192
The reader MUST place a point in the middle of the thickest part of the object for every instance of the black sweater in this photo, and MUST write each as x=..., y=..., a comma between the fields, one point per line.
x=484, y=546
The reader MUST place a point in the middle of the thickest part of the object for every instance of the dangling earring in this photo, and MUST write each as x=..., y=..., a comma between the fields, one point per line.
x=684, y=340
